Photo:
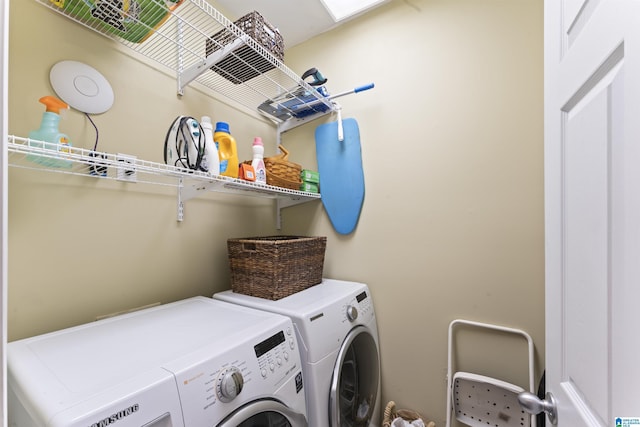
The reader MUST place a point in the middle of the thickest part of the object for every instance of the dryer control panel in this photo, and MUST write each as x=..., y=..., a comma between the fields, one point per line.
x=358, y=308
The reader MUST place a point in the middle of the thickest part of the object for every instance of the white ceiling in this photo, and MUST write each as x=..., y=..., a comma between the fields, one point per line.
x=297, y=20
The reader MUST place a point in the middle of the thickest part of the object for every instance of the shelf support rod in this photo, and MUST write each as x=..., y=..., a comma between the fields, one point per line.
x=282, y=203
x=180, y=202
x=278, y=214
x=179, y=37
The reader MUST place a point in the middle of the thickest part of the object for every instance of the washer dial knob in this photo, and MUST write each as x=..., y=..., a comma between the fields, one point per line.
x=352, y=313
x=230, y=383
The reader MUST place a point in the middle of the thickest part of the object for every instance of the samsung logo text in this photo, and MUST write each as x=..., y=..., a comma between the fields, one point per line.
x=117, y=416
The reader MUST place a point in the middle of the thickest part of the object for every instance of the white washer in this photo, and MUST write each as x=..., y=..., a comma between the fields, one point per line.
x=196, y=362
x=336, y=327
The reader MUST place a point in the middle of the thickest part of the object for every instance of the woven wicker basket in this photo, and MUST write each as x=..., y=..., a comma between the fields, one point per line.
x=391, y=413
x=281, y=172
x=244, y=63
x=275, y=267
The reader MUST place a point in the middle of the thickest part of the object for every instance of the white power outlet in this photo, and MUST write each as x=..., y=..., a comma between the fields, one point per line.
x=126, y=169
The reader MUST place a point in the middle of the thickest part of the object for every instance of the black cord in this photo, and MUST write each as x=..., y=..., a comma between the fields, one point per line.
x=199, y=146
x=96, y=168
x=95, y=146
x=185, y=144
x=181, y=142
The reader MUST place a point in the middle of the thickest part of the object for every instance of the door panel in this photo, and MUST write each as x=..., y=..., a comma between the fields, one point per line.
x=4, y=194
x=592, y=209
x=587, y=224
x=576, y=15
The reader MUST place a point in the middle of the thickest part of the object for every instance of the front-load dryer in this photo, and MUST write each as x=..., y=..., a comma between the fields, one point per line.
x=335, y=325
x=193, y=363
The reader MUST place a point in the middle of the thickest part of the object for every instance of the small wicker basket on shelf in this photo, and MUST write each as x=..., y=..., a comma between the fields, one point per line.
x=391, y=413
x=281, y=172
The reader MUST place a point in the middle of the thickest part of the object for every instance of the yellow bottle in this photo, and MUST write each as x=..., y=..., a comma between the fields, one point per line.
x=227, y=150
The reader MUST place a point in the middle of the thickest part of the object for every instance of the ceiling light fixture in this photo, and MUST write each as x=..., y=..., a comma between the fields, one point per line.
x=341, y=9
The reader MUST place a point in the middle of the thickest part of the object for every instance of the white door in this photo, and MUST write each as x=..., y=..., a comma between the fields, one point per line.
x=4, y=95
x=592, y=218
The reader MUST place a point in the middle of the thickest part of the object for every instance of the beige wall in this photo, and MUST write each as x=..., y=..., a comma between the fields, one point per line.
x=452, y=223
x=452, y=146
x=80, y=247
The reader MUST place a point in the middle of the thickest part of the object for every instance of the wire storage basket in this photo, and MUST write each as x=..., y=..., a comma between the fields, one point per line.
x=275, y=267
x=245, y=63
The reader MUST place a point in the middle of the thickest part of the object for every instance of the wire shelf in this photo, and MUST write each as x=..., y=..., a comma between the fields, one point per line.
x=33, y=154
x=176, y=34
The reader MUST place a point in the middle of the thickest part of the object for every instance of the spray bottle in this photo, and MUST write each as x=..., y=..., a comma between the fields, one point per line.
x=49, y=133
x=227, y=150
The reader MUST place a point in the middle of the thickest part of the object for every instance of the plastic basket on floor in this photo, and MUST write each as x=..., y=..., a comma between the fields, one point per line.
x=391, y=413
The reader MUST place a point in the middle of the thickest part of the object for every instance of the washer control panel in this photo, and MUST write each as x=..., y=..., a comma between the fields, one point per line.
x=274, y=353
x=215, y=381
x=230, y=383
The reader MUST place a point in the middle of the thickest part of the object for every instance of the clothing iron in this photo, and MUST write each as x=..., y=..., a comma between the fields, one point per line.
x=184, y=143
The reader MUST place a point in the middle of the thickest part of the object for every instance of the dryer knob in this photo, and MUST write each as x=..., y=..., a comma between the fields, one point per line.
x=352, y=313
x=230, y=384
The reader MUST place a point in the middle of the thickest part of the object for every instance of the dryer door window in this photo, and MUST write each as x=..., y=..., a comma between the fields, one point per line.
x=267, y=419
x=354, y=386
x=264, y=413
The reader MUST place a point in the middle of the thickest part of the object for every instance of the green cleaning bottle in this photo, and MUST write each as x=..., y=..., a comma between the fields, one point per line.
x=48, y=137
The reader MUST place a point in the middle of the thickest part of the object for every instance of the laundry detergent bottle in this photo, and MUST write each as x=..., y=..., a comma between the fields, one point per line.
x=48, y=132
x=210, y=159
x=258, y=161
x=227, y=150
